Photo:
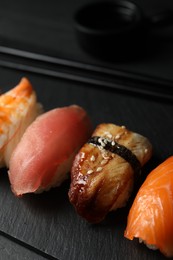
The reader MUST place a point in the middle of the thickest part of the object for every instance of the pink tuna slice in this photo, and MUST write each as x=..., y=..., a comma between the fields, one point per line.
x=44, y=156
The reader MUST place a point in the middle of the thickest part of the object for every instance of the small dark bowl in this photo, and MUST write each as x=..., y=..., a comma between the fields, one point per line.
x=108, y=29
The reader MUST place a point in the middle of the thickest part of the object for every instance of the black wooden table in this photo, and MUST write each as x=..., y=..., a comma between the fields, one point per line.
x=38, y=41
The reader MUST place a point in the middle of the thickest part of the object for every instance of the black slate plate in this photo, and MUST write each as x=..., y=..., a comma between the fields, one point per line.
x=47, y=223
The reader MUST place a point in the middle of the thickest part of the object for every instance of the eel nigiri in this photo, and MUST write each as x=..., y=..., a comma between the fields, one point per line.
x=43, y=157
x=104, y=170
x=151, y=216
x=18, y=108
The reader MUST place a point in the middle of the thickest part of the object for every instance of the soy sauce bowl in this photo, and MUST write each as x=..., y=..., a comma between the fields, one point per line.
x=110, y=29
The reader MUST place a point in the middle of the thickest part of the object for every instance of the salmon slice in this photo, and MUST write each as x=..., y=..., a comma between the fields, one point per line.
x=151, y=216
x=18, y=108
x=104, y=170
x=44, y=156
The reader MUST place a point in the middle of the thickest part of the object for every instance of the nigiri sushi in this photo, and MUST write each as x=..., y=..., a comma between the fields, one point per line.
x=151, y=216
x=18, y=108
x=44, y=156
x=104, y=170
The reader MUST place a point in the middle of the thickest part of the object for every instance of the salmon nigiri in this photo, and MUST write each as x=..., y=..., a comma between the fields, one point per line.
x=151, y=215
x=18, y=108
x=44, y=156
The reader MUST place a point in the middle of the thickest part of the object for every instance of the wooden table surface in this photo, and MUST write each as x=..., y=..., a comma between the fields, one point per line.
x=46, y=226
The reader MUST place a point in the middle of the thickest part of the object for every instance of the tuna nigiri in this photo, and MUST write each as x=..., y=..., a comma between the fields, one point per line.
x=44, y=156
x=18, y=108
x=151, y=216
x=104, y=170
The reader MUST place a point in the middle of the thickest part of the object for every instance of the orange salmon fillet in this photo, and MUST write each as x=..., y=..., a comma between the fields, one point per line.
x=151, y=215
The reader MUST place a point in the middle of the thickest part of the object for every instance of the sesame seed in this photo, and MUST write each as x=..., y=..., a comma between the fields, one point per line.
x=146, y=150
x=82, y=155
x=89, y=171
x=109, y=136
x=92, y=159
x=105, y=161
x=99, y=169
x=105, y=156
x=112, y=143
x=117, y=136
x=101, y=148
x=81, y=190
x=123, y=126
x=81, y=181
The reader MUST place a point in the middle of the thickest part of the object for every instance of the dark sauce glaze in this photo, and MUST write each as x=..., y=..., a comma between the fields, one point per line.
x=118, y=149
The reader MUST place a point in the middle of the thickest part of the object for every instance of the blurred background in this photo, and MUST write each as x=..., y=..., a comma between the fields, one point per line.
x=48, y=27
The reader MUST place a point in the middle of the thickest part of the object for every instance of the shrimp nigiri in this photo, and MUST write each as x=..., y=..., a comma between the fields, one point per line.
x=44, y=156
x=151, y=216
x=18, y=108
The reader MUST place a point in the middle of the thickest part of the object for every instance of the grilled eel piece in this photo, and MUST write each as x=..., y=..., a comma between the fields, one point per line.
x=103, y=171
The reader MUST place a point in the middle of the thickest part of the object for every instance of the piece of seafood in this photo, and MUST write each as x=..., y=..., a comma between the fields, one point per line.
x=104, y=170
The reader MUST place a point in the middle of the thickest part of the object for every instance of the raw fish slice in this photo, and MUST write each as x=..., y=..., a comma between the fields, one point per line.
x=18, y=108
x=151, y=216
x=104, y=170
x=44, y=156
